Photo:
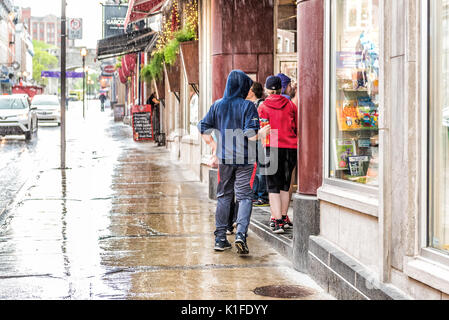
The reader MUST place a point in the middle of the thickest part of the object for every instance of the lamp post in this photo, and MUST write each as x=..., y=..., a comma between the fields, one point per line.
x=83, y=55
x=63, y=83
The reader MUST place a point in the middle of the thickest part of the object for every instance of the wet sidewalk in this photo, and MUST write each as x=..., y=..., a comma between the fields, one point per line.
x=124, y=222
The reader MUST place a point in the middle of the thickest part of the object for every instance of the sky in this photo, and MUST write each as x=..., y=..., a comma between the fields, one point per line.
x=89, y=10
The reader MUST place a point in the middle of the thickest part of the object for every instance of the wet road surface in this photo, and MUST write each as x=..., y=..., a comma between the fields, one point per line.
x=123, y=222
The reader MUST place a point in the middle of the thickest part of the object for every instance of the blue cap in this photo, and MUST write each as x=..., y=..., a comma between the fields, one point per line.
x=285, y=81
x=273, y=83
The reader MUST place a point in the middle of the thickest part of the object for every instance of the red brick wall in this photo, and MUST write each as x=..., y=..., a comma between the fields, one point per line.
x=242, y=38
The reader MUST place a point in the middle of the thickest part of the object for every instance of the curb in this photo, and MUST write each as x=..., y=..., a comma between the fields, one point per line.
x=281, y=244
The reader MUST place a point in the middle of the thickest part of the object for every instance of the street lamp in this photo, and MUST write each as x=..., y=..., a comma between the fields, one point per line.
x=83, y=55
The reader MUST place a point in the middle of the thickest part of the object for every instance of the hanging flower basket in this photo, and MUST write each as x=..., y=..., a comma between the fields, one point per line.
x=190, y=61
x=173, y=76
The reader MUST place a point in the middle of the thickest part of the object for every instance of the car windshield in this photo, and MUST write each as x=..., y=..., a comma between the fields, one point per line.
x=11, y=103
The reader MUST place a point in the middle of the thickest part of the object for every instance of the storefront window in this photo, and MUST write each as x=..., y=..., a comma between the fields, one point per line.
x=439, y=127
x=354, y=113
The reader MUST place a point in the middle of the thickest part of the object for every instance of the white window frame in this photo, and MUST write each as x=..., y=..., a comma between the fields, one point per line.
x=283, y=56
x=329, y=101
x=430, y=266
x=427, y=30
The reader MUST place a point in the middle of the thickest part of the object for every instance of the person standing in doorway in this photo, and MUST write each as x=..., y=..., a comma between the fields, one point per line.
x=282, y=145
x=235, y=122
x=155, y=115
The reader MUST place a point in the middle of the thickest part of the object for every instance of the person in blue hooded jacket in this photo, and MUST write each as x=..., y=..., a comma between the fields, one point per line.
x=235, y=122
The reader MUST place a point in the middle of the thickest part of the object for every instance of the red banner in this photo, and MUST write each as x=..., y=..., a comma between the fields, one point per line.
x=142, y=123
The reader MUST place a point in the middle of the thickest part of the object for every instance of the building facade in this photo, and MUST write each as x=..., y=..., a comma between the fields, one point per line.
x=46, y=29
x=370, y=211
x=7, y=46
x=380, y=226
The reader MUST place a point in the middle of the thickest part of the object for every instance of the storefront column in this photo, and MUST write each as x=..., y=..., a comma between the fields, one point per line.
x=310, y=152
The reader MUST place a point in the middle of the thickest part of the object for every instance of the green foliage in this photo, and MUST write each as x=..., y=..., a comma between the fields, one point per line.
x=167, y=54
x=42, y=61
x=187, y=33
x=155, y=68
x=171, y=51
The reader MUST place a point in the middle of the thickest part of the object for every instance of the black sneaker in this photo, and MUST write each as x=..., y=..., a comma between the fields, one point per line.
x=279, y=226
x=287, y=223
x=272, y=223
x=222, y=245
x=240, y=243
x=261, y=203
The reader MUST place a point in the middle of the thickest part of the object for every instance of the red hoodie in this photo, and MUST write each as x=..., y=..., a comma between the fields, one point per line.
x=282, y=115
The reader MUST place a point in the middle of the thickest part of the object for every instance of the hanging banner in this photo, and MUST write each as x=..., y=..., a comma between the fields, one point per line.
x=57, y=74
x=75, y=28
x=114, y=20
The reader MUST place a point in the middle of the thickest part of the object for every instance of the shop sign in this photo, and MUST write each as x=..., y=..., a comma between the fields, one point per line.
x=107, y=70
x=348, y=59
x=75, y=26
x=142, y=123
x=114, y=20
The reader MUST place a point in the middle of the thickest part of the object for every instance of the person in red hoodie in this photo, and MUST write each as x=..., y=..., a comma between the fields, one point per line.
x=281, y=149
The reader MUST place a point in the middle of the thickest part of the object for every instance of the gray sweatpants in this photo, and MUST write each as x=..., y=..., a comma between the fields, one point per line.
x=238, y=179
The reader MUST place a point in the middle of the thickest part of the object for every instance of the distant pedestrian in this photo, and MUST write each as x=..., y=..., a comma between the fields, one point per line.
x=236, y=123
x=102, y=100
x=282, y=146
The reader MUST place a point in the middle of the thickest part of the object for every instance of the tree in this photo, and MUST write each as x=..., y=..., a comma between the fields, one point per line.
x=42, y=60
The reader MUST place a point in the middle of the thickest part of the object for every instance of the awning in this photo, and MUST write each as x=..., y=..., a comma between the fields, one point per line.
x=139, y=9
x=133, y=42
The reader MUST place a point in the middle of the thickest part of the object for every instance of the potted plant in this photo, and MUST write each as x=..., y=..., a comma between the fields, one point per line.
x=189, y=44
x=173, y=75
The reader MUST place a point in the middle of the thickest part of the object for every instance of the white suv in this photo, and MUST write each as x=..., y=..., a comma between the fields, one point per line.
x=48, y=108
x=17, y=116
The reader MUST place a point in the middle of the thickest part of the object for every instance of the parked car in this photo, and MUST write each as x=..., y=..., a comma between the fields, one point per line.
x=48, y=108
x=17, y=116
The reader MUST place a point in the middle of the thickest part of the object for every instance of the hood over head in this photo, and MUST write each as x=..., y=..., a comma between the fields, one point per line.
x=238, y=85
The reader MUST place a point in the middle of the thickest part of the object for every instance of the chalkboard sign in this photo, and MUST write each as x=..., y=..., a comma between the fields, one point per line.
x=142, y=124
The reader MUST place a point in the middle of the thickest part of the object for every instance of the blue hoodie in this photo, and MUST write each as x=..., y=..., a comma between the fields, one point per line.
x=235, y=117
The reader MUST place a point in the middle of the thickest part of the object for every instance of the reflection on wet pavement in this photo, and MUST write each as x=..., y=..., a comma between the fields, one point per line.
x=123, y=222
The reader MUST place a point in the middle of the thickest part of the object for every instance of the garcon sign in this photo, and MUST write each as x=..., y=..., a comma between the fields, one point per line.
x=114, y=20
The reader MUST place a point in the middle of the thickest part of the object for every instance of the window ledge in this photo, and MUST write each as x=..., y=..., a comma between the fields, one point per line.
x=431, y=273
x=351, y=199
